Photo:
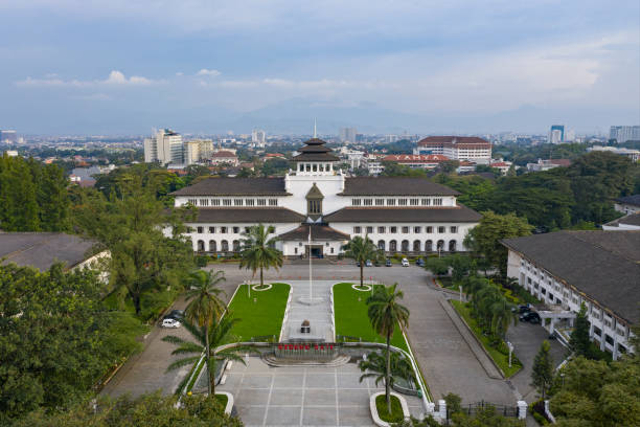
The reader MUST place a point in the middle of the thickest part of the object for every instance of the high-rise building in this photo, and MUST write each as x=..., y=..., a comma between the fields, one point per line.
x=9, y=136
x=258, y=137
x=625, y=133
x=198, y=150
x=165, y=147
x=348, y=134
x=556, y=134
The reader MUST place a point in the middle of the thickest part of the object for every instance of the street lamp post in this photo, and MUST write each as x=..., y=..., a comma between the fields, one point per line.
x=460, y=287
x=510, y=351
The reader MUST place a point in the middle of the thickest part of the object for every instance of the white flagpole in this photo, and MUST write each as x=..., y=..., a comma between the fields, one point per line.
x=310, y=273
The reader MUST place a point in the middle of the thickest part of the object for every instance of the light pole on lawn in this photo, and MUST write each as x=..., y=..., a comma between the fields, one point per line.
x=510, y=351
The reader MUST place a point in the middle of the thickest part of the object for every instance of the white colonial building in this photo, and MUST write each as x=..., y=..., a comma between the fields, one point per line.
x=568, y=268
x=401, y=215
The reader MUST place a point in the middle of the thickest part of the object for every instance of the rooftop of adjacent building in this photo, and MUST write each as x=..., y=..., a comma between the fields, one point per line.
x=630, y=200
x=42, y=250
x=459, y=141
x=604, y=265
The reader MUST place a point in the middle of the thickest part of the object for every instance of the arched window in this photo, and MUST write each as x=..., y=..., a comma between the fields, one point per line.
x=428, y=246
x=236, y=246
x=212, y=246
x=452, y=246
x=381, y=245
x=200, y=246
x=393, y=246
x=405, y=246
x=440, y=245
x=224, y=246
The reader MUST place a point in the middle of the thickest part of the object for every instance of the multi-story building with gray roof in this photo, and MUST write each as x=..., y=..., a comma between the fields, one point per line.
x=400, y=215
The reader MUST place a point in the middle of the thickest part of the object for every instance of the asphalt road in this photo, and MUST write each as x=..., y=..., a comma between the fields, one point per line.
x=445, y=358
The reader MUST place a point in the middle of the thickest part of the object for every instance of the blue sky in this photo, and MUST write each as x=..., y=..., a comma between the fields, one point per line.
x=120, y=66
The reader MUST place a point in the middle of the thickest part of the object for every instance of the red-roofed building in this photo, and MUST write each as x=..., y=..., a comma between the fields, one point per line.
x=417, y=161
x=502, y=166
x=470, y=148
x=224, y=157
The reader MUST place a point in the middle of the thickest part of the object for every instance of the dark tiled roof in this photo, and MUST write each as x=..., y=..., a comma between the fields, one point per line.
x=420, y=215
x=604, y=265
x=315, y=157
x=394, y=186
x=318, y=233
x=42, y=250
x=630, y=200
x=631, y=219
x=235, y=187
x=247, y=215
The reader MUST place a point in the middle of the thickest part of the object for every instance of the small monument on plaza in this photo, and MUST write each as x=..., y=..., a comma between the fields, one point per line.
x=305, y=328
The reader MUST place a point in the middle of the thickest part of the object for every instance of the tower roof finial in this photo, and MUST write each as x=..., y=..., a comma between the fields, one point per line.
x=315, y=127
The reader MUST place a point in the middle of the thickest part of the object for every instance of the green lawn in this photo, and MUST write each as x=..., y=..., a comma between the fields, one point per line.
x=396, y=414
x=352, y=319
x=502, y=360
x=261, y=314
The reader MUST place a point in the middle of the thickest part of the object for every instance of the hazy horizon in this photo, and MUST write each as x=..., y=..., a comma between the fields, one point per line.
x=120, y=67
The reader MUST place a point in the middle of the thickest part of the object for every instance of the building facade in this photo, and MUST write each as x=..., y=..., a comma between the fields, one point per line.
x=628, y=204
x=469, y=148
x=569, y=268
x=316, y=200
x=556, y=134
x=166, y=147
x=625, y=133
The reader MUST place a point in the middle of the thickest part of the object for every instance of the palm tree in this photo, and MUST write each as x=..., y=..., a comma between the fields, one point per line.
x=258, y=250
x=385, y=312
x=206, y=305
x=361, y=250
x=374, y=367
x=218, y=334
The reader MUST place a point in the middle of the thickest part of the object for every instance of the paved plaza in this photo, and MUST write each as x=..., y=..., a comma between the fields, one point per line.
x=318, y=314
x=303, y=396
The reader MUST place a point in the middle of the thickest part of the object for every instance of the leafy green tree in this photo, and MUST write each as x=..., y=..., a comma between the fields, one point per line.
x=218, y=334
x=597, y=394
x=258, y=251
x=438, y=266
x=205, y=305
x=142, y=260
x=18, y=196
x=148, y=410
x=53, y=199
x=385, y=314
x=461, y=265
x=542, y=371
x=375, y=366
x=360, y=250
x=449, y=166
x=580, y=343
x=57, y=338
x=485, y=238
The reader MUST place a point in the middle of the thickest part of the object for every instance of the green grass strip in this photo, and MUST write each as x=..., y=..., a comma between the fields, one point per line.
x=261, y=313
x=396, y=414
x=502, y=360
x=352, y=319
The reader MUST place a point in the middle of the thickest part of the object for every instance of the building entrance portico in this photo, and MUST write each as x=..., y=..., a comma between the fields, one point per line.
x=315, y=250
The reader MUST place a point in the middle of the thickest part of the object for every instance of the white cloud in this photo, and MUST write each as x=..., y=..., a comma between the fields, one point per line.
x=208, y=73
x=115, y=78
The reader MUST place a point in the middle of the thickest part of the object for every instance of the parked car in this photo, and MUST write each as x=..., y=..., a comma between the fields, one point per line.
x=368, y=263
x=388, y=263
x=405, y=262
x=376, y=263
x=420, y=262
x=170, y=323
x=531, y=317
x=522, y=309
x=175, y=314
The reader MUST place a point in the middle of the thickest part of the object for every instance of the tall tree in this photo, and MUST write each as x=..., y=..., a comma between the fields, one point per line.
x=258, y=250
x=130, y=226
x=218, y=334
x=361, y=249
x=18, y=202
x=580, y=343
x=205, y=306
x=385, y=314
x=375, y=366
x=542, y=371
x=485, y=237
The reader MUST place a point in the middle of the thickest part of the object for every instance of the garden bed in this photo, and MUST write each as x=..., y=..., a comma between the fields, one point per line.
x=352, y=319
x=261, y=313
x=501, y=359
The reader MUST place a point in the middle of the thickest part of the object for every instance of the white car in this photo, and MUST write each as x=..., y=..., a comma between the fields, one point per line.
x=170, y=323
x=405, y=262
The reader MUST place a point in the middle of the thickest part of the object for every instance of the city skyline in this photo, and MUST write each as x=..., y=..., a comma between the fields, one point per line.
x=425, y=68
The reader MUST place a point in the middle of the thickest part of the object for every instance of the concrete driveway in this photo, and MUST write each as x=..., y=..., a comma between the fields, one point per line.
x=445, y=357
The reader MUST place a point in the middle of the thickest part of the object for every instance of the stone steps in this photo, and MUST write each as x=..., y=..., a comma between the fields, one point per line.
x=274, y=361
